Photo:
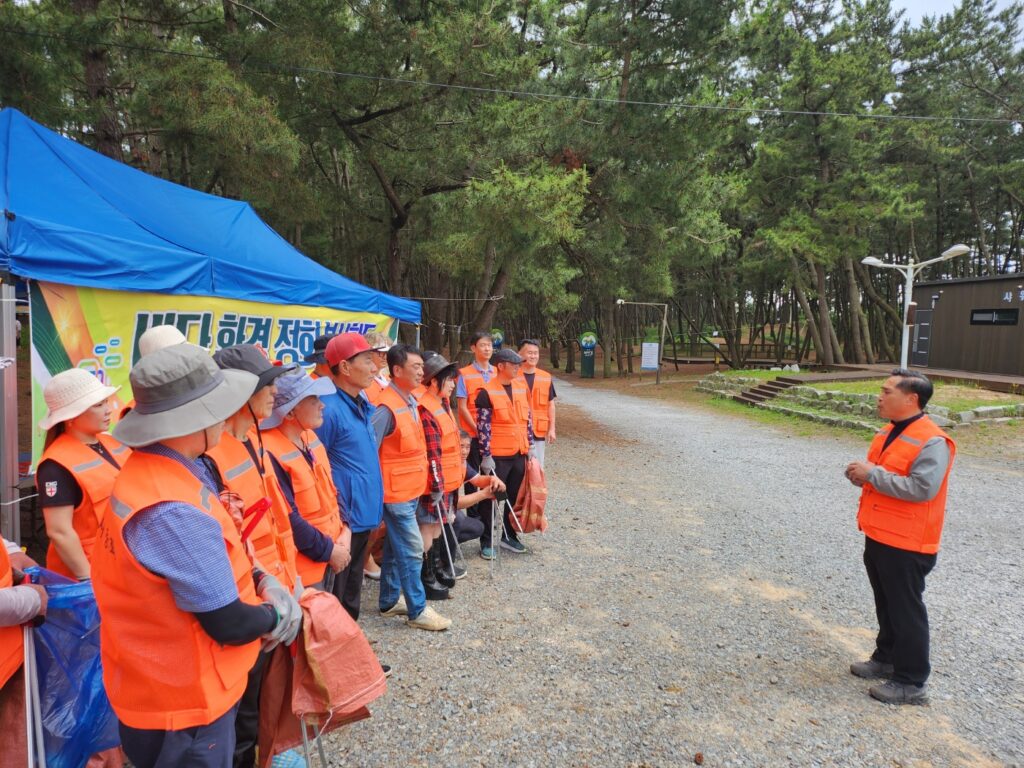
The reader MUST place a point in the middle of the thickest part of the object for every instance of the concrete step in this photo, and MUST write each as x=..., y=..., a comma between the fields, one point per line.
x=746, y=399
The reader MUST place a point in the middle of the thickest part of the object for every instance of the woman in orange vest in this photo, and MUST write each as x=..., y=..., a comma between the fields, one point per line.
x=20, y=603
x=300, y=461
x=444, y=464
x=77, y=469
x=183, y=609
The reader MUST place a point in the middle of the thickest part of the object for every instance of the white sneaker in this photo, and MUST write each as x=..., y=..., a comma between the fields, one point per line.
x=398, y=609
x=430, y=620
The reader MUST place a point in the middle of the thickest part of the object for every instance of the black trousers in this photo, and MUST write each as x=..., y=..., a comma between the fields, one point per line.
x=247, y=720
x=897, y=580
x=348, y=584
x=205, y=746
x=510, y=470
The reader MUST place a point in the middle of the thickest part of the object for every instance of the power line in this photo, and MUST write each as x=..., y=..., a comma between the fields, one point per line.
x=266, y=67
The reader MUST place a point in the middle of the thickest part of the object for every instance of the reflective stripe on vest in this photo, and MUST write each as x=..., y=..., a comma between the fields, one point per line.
x=910, y=525
x=271, y=537
x=12, y=648
x=95, y=476
x=452, y=472
x=160, y=668
x=509, y=419
x=315, y=495
x=473, y=381
x=403, y=453
x=540, y=398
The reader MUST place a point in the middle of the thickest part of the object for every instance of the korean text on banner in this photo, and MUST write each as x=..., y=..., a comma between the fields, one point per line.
x=99, y=330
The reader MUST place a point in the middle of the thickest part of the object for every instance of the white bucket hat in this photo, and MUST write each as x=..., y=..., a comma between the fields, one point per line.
x=292, y=390
x=158, y=337
x=179, y=390
x=71, y=393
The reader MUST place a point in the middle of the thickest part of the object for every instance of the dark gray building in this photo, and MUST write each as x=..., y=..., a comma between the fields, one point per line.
x=973, y=324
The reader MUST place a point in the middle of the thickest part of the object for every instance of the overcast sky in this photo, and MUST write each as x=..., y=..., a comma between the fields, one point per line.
x=918, y=8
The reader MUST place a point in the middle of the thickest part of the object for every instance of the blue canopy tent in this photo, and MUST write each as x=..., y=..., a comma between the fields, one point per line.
x=76, y=217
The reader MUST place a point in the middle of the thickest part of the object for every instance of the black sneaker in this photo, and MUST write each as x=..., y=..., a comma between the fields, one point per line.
x=871, y=669
x=513, y=545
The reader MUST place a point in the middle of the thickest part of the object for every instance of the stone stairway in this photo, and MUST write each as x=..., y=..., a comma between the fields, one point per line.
x=764, y=392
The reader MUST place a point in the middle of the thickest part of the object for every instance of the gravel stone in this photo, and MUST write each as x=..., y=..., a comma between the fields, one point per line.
x=701, y=589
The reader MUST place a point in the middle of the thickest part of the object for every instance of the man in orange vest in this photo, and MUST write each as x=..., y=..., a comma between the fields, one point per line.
x=542, y=397
x=403, y=465
x=471, y=378
x=246, y=469
x=183, y=609
x=902, y=506
x=505, y=435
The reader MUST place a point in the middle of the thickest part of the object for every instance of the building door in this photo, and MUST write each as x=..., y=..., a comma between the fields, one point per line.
x=922, y=338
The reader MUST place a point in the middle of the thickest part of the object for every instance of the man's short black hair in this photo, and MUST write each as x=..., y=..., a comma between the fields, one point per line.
x=400, y=353
x=916, y=382
x=480, y=335
x=534, y=342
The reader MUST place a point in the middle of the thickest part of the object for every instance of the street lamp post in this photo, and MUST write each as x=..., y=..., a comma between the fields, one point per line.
x=664, y=325
x=910, y=271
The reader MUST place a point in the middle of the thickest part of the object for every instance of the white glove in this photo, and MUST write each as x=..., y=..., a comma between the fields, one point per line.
x=289, y=614
x=487, y=465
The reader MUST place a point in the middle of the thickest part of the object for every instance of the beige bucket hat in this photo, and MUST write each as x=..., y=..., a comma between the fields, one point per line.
x=180, y=390
x=158, y=337
x=71, y=393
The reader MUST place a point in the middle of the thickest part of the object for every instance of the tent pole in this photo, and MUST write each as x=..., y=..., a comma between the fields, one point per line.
x=10, y=515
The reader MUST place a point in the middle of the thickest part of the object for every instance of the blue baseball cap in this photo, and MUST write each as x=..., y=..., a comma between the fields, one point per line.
x=292, y=389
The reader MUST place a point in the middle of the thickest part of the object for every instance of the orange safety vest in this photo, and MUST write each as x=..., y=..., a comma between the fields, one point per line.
x=160, y=668
x=403, y=453
x=540, y=398
x=95, y=476
x=451, y=447
x=271, y=534
x=912, y=525
x=473, y=381
x=315, y=494
x=509, y=418
x=12, y=648
x=374, y=391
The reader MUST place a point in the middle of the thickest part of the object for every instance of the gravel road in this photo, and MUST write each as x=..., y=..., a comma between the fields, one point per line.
x=701, y=591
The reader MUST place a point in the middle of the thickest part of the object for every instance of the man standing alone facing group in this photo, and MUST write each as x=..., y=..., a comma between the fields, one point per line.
x=902, y=506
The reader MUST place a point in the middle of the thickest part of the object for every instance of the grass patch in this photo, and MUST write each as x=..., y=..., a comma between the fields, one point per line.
x=755, y=373
x=953, y=395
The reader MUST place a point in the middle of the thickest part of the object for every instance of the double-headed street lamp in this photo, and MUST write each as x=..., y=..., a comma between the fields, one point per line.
x=664, y=325
x=910, y=271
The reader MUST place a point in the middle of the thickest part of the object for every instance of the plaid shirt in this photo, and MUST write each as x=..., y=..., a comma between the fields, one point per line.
x=432, y=434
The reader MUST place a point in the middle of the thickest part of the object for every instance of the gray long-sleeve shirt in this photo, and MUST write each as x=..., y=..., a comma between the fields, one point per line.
x=925, y=477
x=17, y=604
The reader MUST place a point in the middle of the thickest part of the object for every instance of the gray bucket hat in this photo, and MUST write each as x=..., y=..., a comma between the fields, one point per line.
x=292, y=389
x=180, y=390
x=434, y=365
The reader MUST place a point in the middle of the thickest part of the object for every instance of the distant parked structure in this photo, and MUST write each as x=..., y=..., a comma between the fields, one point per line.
x=973, y=324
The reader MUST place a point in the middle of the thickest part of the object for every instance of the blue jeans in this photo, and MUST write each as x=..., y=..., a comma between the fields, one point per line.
x=403, y=559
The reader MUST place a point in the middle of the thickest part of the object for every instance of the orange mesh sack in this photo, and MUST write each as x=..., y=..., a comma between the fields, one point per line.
x=533, y=497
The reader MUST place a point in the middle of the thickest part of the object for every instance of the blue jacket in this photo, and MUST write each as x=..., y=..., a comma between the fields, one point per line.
x=351, y=445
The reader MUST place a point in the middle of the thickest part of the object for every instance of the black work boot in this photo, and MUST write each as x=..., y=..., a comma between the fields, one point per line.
x=434, y=589
x=441, y=569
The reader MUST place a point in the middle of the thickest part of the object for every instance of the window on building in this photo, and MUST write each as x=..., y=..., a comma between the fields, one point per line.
x=995, y=316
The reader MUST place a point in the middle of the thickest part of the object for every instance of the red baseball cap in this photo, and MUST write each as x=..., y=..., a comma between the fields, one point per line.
x=345, y=346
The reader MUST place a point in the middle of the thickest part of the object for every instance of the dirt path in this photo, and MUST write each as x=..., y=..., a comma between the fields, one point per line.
x=701, y=591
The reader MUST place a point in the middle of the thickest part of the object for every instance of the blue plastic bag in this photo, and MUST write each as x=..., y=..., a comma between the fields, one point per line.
x=77, y=719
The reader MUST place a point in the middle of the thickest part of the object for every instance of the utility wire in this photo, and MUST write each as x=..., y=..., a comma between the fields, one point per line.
x=267, y=67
